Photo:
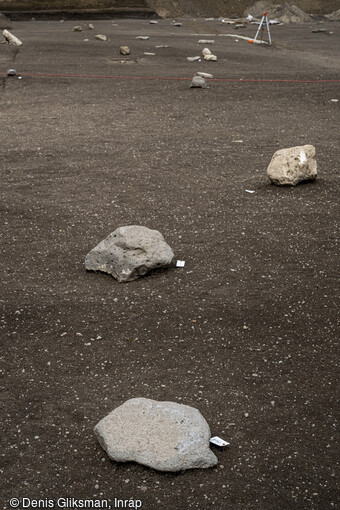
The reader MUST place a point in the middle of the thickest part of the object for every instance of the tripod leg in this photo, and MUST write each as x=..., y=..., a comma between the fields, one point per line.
x=258, y=30
x=268, y=30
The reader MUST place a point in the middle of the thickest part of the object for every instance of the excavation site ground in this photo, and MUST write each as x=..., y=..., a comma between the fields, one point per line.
x=246, y=332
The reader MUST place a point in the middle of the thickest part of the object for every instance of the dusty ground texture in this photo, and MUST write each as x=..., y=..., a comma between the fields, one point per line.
x=246, y=332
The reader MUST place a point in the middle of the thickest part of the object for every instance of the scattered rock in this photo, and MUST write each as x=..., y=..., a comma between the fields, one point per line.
x=78, y=28
x=152, y=22
x=130, y=252
x=198, y=82
x=204, y=75
x=177, y=24
x=11, y=38
x=149, y=54
x=162, y=46
x=11, y=72
x=61, y=21
x=206, y=41
x=193, y=59
x=143, y=37
x=210, y=57
x=124, y=50
x=101, y=37
x=206, y=51
x=290, y=166
x=91, y=26
x=240, y=25
x=165, y=436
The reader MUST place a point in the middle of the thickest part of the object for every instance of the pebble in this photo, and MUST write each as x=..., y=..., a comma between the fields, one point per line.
x=148, y=54
x=91, y=26
x=11, y=72
x=143, y=37
x=206, y=41
x=124, y=50
x=204, y=75
x=101, y=37
x=193, y=59
x=77, y=29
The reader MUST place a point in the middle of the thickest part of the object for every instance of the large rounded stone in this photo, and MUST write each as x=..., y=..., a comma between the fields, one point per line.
x=290, y=166
x=162, y=435
x=130, y=252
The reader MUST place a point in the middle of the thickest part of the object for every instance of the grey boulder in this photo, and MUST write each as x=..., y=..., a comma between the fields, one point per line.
x=290, y=166
x=198, y=82
x=165, y=436
x=130, y=252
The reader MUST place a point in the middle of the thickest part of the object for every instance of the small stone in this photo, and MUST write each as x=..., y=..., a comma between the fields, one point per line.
x=129, y=253
x=211, y=58
x=11, y=72
x=290, y=166
x=177, y=24
x=11, y=39
x=78, y=28
x=124, y=50
x=206, y=41
x=101, y=37
x=198, y=82
x=165, y=436
x=143, y=37
x=91, y=26
x=204, y=75
x=152, y=22
x=148, y=54
x=61, y=21
x=193, y=59
x=206, y=51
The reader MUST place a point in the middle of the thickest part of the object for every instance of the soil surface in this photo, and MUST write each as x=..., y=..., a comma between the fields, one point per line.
x=246, y=332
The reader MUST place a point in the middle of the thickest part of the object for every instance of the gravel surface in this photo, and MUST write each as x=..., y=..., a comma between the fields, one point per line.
x=246, y=332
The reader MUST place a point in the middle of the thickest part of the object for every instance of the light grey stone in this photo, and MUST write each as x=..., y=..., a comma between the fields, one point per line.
x=198, y=82
x=101, y=37
x=165, y=436
x=193, y=59
x=143, y=37
x=78, y=28
x=206, y=51
x=91, y=26
x=204, y=75
x=11, y=38
x=124, y=50
x=210, y=57
x=130, y=252
x=206, y=41
x=290, y=166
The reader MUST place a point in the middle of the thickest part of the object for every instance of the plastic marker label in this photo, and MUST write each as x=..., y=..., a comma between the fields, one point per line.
x=180, y=263
x=219, y=442
x=250, y=191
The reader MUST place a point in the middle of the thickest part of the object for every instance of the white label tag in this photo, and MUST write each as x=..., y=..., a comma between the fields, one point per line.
x=180, y=263
x=218, y=441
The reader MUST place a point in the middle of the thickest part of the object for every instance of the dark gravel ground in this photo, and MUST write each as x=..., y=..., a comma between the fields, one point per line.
x=246, y=332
